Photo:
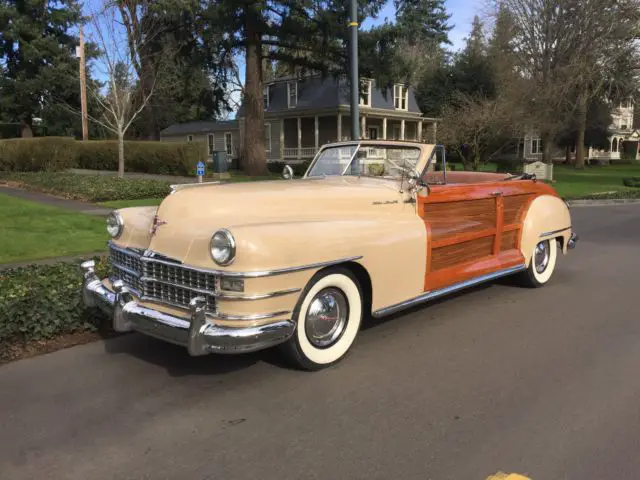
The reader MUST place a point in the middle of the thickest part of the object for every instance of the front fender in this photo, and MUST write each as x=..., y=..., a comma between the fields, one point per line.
x=392, y=250
x=547, y=217
x=137, y=226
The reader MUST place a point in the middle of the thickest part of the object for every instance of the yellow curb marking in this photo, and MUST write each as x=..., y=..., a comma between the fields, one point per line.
x=507, y=476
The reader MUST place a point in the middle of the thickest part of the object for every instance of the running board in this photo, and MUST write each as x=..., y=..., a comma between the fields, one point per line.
x=425, y=297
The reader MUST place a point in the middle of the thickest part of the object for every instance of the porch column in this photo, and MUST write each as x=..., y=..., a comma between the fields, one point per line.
x=402, y=129
x=299, y=137
x=384, y=128
x=435, y=132
x=282, y=139
x=363, y=127
x=339, y=139
x=419, y=131
x=315, y=131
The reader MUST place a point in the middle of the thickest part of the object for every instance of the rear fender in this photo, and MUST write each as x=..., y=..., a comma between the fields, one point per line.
x=547, y=217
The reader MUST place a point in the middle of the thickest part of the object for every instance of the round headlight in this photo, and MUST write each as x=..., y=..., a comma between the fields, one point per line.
x=115, y=224
x=223, y=247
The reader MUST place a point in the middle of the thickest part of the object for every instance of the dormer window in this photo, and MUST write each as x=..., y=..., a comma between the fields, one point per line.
x=365, y=94
x=400, y=97
x=265, y=97
x=292, y=93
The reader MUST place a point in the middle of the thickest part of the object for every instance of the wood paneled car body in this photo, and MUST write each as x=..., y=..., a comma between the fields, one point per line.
x=373, y=227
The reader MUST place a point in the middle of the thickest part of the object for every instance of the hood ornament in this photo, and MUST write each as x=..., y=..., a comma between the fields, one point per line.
x=157, y=223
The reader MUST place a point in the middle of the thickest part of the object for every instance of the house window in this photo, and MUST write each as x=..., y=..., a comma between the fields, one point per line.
x=400, y=97
x=292, y=93
x=189, y=138
x=265, y=97
x=396, y=132
x=211, y=143
x=365, y=94
x=373, y=133
x=536, y=146
x=267, y=137
x=228, y=143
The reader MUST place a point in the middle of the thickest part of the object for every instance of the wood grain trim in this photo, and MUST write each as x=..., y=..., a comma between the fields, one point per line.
x=514, y=208
x=463, y=237
x=499, y=224
x=462, y=252
x=453, y=219
x=472, y=269
x=509, y=240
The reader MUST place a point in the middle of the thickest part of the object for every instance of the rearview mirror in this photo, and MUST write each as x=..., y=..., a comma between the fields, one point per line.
x=287, y=172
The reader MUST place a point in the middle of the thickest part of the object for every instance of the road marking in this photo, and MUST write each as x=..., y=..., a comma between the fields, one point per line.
x=507, y=476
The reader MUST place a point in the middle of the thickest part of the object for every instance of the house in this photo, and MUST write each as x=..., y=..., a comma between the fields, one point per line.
x=218, y=135
x=302, y=114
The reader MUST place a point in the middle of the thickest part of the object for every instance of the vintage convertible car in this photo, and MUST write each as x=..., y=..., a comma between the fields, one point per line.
x=373, y=227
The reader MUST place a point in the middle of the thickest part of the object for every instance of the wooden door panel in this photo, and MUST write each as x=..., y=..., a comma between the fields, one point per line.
x=472, y=230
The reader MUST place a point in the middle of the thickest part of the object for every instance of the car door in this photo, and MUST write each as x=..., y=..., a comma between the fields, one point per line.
x=472, y=229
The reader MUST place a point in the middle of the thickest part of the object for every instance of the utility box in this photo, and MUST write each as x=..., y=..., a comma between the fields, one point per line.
x=219, y=162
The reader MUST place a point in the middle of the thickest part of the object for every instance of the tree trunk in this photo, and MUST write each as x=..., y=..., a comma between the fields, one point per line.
x=120, y=155
x=255, y=161
x=581, y=116
x=546, y=148
x=26, y=130
x=567, y=154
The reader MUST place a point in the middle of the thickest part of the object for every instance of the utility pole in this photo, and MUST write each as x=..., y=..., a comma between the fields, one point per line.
x=353, y=70
x=83, y=88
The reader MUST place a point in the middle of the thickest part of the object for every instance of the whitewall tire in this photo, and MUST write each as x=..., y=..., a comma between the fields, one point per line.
x=542, y=263
x=328, y=318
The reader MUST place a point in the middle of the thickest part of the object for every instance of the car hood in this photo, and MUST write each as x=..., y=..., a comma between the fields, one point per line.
x=192, y=214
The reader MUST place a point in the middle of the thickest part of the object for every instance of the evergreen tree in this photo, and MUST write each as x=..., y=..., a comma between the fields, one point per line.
x=37, y=52
x=472, y=71
x=423, y=20
x=310, y=34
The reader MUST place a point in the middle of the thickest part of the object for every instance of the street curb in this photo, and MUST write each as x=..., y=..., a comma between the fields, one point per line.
x=603, y=202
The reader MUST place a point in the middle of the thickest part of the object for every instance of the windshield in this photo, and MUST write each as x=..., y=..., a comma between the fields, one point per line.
x=366, y=160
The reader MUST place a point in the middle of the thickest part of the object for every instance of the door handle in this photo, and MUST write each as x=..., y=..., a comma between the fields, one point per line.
x=496, y=194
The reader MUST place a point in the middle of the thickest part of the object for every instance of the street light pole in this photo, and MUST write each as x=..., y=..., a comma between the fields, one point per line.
x=353, y=70
x=83, y=88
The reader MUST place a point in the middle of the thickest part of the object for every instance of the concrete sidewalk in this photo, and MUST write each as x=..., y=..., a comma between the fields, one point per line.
x=73, y=205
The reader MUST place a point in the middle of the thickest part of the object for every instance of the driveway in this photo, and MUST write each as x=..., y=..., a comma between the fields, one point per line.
x=544, y=383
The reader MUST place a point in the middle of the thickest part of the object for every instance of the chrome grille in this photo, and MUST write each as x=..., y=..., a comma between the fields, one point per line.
x=155, y=279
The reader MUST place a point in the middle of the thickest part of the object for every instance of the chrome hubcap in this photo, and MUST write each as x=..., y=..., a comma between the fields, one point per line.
x=327, y=317
x=541, y=257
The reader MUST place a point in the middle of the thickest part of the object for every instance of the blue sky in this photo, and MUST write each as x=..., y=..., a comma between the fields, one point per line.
x=462, y=12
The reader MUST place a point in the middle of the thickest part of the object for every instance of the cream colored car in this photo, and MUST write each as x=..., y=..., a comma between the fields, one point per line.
x=373, y=227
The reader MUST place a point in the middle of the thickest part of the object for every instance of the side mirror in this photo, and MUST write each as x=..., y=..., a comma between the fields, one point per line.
x=287, y=172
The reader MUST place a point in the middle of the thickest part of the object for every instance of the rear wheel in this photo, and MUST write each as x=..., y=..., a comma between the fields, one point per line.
x=328, y=318
x=542, y=264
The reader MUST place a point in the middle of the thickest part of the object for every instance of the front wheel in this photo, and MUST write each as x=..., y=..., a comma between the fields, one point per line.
x=541, y=265
x=328, y=318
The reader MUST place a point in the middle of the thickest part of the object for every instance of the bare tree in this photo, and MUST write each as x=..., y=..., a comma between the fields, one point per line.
x=120, y=100
x=476, y=127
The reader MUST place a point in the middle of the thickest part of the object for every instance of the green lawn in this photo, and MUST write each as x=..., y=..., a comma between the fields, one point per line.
x=31, y=231
x=573, y=183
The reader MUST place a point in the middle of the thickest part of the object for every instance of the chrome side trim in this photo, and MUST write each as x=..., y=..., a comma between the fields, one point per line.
x=256, y=274
x=255, y=316
x=257, y=296
x=425, y=297
x=553, y=232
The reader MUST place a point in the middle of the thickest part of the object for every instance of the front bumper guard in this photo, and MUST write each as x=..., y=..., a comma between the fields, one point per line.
x=197, y=334
x=573, y=241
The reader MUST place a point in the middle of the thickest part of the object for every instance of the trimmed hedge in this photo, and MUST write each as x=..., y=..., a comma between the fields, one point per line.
x=92, y=188
x=37, y=154
x=40, y=302
x=165, y=158
x=631, y=182
x=62, y=153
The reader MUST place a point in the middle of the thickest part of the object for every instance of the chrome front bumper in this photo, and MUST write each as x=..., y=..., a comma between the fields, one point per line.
x=573, y=241
x=197, y=333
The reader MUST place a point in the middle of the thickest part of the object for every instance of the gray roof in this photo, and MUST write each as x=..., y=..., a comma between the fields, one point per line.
x=204, y=126
x=320, y=93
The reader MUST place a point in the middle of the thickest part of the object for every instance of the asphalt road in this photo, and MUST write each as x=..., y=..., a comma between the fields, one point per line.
x=544, y=383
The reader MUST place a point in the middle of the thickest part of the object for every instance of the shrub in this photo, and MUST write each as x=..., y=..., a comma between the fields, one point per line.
x=37, y=154
x=39, y=302
x=631, y=182
x=168, y=158
x=93, y=188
